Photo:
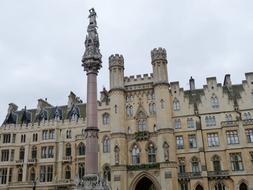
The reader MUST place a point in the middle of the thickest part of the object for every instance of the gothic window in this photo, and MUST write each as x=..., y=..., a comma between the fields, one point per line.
x=216, y=163
x=43, y=152
x=23, y=138
x=236, y=161
x=181, y=167
x=214, y=101
x=68, y=149
x=81, y=149
x=247, y=116
x=50, y=152
x=152, y=108
x=192, y=141
x=49, y=173
x=129, y=111
x=151, y=153
x=107, y=173
x=228, y=117
x=213, y=139
x=190, y=123
x=180, y=142
x=177, y=123
x=42, y=173
x=195, y=165
x=232, y=137
x=67, y=172
x=199, y=187
x=210, y=121
x=106, y=119
x=135, y=155
x=243, y=186
x=68, y=134
x=162, y=103
x=176, y=105
x=249, y=135
x=141, y=124
x=32, y=174
x=34, y=152
x=20, y=174
x=220, y=186
x=21, y=153
x=10, y=174
x=3, y=175
x=184, y=185
x=81, y=170
x=106, y=145
x=35, y=137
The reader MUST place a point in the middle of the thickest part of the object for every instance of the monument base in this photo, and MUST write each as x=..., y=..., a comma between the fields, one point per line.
x=92, y=182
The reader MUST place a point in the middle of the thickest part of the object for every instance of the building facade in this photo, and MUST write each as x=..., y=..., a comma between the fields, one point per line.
x=153, y=135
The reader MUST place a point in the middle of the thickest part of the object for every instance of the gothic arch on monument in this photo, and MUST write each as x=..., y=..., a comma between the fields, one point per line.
x=145, y=181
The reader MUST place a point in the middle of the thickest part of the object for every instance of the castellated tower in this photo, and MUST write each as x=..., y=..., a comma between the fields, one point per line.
x=116, y=67
x=164, y=113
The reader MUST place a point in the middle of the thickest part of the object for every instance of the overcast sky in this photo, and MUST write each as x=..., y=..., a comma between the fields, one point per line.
x=41, y=43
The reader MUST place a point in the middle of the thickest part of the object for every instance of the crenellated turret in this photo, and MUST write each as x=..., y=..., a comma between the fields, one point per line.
x=159, y=63
x=116, y=67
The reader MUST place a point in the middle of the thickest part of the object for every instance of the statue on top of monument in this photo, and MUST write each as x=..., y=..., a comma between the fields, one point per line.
x=92, y=17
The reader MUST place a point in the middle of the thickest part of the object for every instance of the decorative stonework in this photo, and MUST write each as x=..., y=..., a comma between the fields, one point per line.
x=158, y=54
x=116, y=60
x=92, y=182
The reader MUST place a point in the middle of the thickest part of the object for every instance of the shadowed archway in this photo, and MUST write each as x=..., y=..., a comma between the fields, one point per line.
x=145, y=184
x=199, y=187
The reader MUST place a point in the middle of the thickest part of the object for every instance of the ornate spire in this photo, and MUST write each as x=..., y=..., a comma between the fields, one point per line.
x=92, y=56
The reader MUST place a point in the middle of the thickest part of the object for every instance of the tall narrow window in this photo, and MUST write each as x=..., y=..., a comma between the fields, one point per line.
x=49, y=173
x=67, y=172
x=32, y=174
x=20, y=174
x=181, y=167
x=34, y=152
x=68, y=150
x=195, y=165
x=249, y=135
x=176, y=105
x=81, y=149
x=177, y=123
x=151, y=153
x=162, y=104
x=180, y=142
x=214, y=101
x=216, y=163
x=22, y=153
x=135, y=155
x=106, y=118
x=106, y=145
x=152, y=109
x=141, y=124
x=81, y=170
x=236, y=161
x=192, y=141
x=220, y=186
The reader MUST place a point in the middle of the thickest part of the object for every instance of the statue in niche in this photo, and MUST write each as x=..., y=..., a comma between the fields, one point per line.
x=166, y=151
x=116, y=150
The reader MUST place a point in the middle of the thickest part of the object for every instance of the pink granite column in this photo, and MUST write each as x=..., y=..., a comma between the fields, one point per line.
x=91, y=160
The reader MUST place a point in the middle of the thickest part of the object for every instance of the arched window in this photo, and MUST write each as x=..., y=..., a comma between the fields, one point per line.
x=34, y=152
x=135, y=155
x=106, y=119
x=228, y=117
x=81, y=149
x=67, y=172
x=176, y=105
x=247, y=116
x=107, y=173
x=68, y=134
x=32, y=174
x=195, y=165
x=243, y=186
x=106, y=145
x=216, y=163
x=214, y=101
x=177, y=123
x=81, y=170
x=68, y=149
x=199, y=187
x=141, y=123
x=220, y=186
x=20, y=174
x=21, y=153
x=151, y=153
x=152, y=108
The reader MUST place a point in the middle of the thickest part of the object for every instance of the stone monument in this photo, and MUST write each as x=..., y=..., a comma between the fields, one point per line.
x=92, y=63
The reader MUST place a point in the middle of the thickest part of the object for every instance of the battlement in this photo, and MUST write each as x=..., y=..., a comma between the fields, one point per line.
x=116, y=60
x=138, y=78
x=158, y=54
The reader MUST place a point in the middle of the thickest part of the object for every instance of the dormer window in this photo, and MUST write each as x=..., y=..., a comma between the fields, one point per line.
x=176, y=105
